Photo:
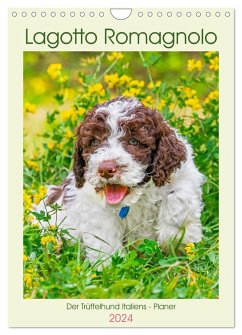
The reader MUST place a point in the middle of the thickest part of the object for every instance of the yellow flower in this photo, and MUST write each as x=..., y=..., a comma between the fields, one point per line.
x=60, y=145
x=25, y=258
x=192, y=279
x=150, y=86
x=96, y=89
x=88, y=61
x=54, y=70
x=212, y=97
x=158, y=83
x=132, y=92
x=210, y=54
x=30, y=218
x=114, y=56
x=28, y=279
x=190, y=250
x=38, y=196
x=137, y=83
x=35, y=225
x=81, y=111
x=32, y=165
x=48, y=239
x=112, y=80
x=51, y=145
x=30, y=108
x=69, y=114
x=91, y=60
x=27, y=200
x=124, y=80
x=189, y=93
x=63, y=79
x=94, y=275
x=161, y=104
x=193, y=103
x=214, y=63
x=171, y=106
x=193, y=65
x=148, y=100
x=69, y=133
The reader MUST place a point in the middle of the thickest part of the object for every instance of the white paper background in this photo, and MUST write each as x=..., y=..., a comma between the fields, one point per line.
x=3, y=164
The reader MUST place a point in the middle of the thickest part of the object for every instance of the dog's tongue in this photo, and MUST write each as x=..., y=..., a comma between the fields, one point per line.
x=115, y=193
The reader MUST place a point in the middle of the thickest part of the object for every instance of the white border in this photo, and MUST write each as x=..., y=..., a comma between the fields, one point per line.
x=3, y=142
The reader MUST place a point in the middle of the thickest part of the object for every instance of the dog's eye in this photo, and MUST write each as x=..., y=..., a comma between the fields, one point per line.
x=94, y=142
x=133, y=141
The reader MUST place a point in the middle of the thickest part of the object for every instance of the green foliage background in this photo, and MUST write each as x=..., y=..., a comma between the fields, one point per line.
x=58, y=90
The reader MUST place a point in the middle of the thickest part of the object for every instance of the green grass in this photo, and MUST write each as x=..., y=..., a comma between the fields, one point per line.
x=145, y=271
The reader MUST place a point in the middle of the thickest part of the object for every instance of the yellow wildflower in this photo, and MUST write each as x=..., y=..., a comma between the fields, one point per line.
x=214, y=63
x=91, y=60
x=27, y=200
x=80, y=79
x=213, y=96
x=94, y=275
x=111, y=79
x=114, y=56
x=137, y=83
x=69, y=133
x=69, y=114
x=148, y=100
x=150, y=86
x=161, y=104
x=60, y=145
x=48, y=239
x=189, y=93
x=210, y=54
x=28, y=279
x=63, y=79
x=193, y=65
x=51, y=145
x=81, y=111
x=193, y=103
x=158, y=83
x=32, y=165
x=30, y=108
x=96, y=89
x=30, y=218
x=25, y=258
x=190, y=250
x=132, y=92
x=124, y=80
x=192, y=279
x=171, y=106
x=35, y=225
x=54, y=70
x=38, y=196
x=88, y=61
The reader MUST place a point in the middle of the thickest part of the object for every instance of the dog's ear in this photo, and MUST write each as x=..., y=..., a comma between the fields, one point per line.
x=169, y=153
x=79, y=162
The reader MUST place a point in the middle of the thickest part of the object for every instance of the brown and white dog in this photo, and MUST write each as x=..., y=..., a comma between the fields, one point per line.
x=133, y=178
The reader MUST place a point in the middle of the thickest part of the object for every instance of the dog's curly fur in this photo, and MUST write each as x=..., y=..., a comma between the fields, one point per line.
x=164, y=186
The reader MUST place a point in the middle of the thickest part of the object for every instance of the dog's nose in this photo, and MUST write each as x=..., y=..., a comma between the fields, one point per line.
x=107, y=169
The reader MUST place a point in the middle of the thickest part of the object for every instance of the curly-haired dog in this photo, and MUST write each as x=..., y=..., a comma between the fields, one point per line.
x=133, y=178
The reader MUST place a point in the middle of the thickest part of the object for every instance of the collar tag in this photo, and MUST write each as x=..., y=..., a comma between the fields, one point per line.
x=124, y=211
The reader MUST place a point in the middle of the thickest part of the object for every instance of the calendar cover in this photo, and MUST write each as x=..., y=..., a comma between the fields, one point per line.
x=121, y=123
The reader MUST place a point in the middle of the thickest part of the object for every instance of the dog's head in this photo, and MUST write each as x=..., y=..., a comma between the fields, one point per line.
x=120, y=145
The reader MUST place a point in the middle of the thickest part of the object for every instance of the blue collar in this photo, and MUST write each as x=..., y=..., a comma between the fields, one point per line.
x=124, y=211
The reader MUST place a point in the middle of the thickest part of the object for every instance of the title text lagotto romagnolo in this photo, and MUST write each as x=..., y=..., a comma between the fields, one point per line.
x=79, y=36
